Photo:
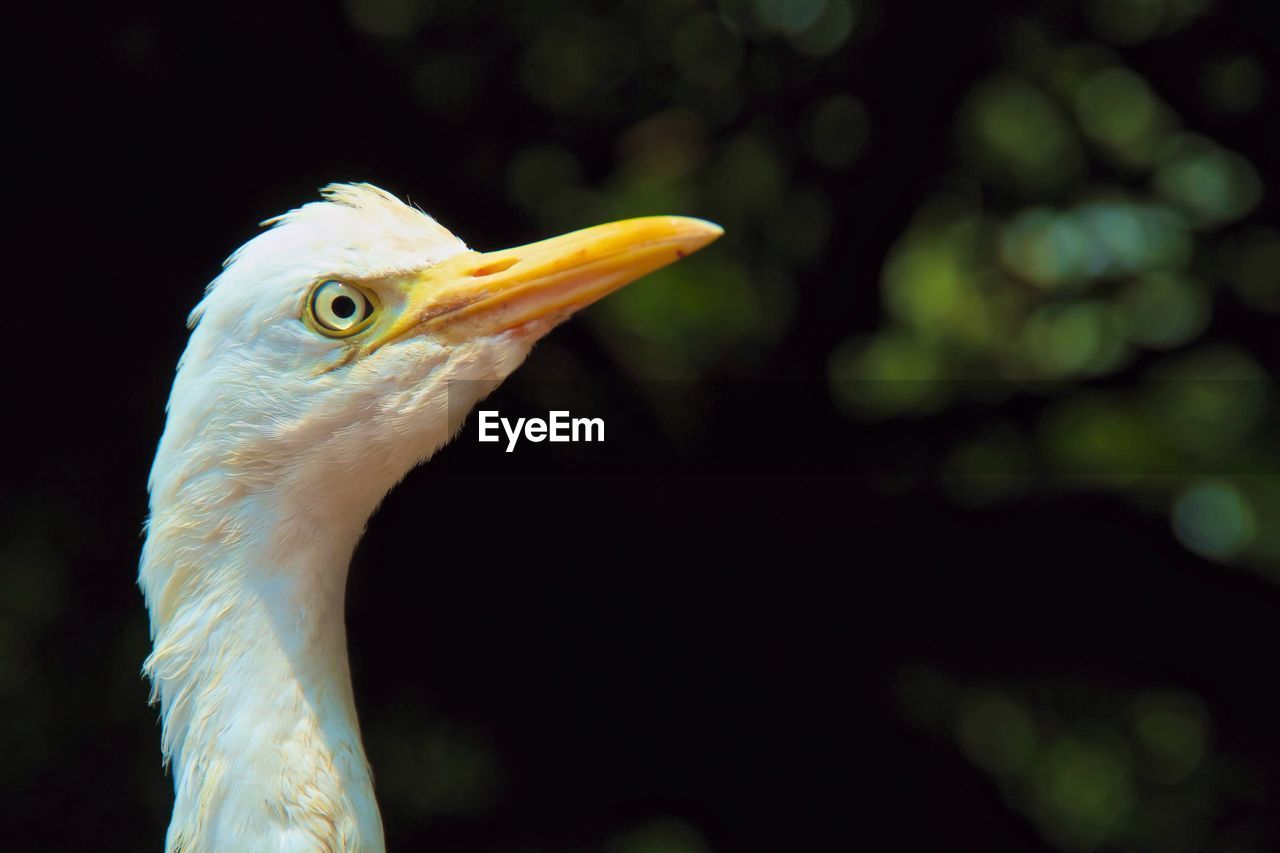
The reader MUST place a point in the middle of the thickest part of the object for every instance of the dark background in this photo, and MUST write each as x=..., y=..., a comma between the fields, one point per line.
x=937, y=510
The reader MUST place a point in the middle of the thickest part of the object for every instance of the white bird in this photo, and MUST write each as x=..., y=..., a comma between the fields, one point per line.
x=327, y=359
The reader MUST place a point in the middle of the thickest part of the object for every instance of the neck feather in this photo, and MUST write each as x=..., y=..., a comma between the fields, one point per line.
x=250, y=669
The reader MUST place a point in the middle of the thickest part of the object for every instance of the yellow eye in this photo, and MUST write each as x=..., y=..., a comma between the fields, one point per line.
x=340, y=309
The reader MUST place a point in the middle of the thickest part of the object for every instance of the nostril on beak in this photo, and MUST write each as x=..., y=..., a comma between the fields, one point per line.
x=496, y=266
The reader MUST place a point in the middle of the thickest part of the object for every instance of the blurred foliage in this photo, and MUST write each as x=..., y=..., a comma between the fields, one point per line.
x=461, y=775
x=1125, y=770
x=660, y=836
x=1087, y=234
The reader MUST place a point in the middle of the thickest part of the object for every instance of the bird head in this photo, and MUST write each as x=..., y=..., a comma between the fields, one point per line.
x=343, y=345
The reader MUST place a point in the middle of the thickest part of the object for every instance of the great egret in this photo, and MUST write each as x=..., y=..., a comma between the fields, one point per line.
x=324, y=363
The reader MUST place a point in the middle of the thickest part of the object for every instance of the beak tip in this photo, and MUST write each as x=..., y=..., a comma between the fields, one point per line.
x=700, y=232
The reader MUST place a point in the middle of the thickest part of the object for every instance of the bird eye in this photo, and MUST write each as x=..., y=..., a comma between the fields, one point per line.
x=340, y=308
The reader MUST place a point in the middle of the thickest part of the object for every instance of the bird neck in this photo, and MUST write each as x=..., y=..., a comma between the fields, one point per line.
x=250, y=668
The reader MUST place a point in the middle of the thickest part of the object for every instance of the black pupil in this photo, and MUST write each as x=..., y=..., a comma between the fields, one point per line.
x=344, y=307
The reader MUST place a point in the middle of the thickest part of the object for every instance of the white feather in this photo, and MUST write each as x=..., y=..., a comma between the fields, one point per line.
x=268, y=469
